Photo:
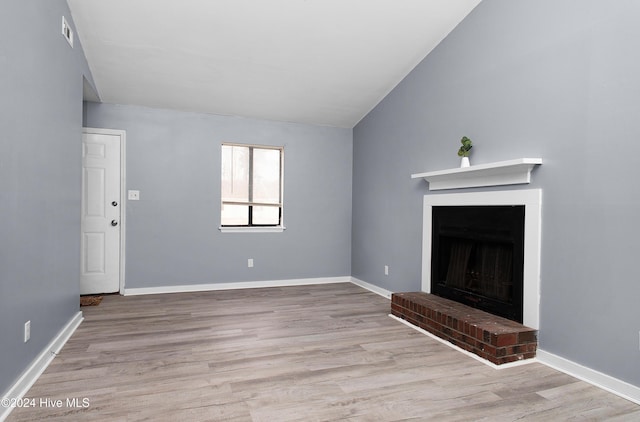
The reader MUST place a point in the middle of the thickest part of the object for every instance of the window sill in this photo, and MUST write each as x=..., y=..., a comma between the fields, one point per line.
x=277, y=229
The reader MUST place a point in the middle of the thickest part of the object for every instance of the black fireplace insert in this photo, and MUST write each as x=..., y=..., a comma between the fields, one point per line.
x=478, y=257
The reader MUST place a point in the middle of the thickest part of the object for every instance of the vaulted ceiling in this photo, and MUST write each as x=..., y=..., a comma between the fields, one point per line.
x=326, y=62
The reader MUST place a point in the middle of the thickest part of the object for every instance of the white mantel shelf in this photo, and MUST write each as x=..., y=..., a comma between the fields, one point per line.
x=511, y=172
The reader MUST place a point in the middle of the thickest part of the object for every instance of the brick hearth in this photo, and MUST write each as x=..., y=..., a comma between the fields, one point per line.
x=493, y=338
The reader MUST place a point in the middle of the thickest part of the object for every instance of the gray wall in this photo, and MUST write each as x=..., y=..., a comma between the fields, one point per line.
x=41, y=80
x=173, y=158
x=551, y=79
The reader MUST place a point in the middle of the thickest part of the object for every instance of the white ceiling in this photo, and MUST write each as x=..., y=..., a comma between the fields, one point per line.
x=326, y=62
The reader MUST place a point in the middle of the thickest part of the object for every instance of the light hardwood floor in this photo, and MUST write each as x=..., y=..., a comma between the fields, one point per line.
x=309, y=353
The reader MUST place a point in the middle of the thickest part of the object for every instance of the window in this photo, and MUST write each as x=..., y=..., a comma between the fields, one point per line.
x=251, y=186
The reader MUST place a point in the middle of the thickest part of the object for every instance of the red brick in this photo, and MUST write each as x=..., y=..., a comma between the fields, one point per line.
x=514, y=350
x=504, y=341
x=434, y=325
x=507, y=339
x=511, y=358
x=489, y=349
x=527, y=336
x=472, y=331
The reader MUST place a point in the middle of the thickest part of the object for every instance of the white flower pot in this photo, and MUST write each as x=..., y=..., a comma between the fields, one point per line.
x=464, y=162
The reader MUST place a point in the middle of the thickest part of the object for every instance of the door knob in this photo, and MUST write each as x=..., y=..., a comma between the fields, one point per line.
x=114, y=203
x=114, y=223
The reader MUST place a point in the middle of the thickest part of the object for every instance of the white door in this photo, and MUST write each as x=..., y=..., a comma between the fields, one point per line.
x=100, y=243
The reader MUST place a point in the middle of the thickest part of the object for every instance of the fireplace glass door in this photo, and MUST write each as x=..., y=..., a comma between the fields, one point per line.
x=477, y=257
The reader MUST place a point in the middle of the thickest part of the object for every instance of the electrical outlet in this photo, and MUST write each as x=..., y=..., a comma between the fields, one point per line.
x=250, y=262
x=386, y=270
x=27, y=331
x=133, y=195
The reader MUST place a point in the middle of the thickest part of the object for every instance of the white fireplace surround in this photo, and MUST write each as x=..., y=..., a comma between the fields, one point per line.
x=532, y=200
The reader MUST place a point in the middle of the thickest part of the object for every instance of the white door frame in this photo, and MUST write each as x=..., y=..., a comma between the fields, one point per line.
x=123, y=197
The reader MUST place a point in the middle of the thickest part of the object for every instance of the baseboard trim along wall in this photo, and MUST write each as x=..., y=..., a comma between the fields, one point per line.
x=372, y=287
x=604, y=381
x=40, y=363
x=230, y=286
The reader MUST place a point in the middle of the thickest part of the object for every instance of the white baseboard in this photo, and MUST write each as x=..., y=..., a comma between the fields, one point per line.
x=232, y=286
x=604, y=381
x=371, y=287
x=40, y=363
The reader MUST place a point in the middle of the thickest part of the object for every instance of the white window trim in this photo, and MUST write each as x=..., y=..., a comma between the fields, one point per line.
x=252, y=229
x=260, y=229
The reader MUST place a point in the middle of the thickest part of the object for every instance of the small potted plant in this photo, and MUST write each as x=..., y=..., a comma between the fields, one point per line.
x=464, y=151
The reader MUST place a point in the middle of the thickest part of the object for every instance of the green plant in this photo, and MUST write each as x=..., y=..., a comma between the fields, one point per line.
x=466, y=147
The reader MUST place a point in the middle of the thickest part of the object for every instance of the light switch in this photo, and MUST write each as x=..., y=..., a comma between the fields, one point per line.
x=134, y=195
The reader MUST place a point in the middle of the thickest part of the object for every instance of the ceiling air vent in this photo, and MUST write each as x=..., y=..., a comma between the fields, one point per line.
x=67, y=32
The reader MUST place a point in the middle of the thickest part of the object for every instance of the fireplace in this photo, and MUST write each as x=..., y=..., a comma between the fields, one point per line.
x=477, y=257
x=526, y=290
